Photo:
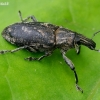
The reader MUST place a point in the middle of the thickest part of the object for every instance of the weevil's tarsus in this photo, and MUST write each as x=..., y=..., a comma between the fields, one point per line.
x=71, y=65
x=76, y=78
x=26, y=19
x=4, y=51
x=78, y=88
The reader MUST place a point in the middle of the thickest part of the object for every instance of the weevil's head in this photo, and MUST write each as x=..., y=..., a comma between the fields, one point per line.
x=82, y=40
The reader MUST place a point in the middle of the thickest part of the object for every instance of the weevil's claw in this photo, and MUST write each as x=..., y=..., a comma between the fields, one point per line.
x=78, y=88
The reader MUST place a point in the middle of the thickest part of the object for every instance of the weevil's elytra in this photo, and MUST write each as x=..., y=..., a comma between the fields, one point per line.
x=44, y=37
x=24, y=35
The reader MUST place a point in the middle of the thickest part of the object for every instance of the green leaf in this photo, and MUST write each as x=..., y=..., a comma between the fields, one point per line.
x=51, y=78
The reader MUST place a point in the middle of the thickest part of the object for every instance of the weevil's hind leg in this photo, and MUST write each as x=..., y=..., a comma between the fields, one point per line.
x=38, y=59
x=77, y=48
x=29, y=17
x=71, y=65
x=33, y=18
x=20, y=15
x=14, y=50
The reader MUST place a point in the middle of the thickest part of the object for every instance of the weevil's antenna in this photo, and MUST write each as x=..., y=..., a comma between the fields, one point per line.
x=92, y=38
x=95, y=34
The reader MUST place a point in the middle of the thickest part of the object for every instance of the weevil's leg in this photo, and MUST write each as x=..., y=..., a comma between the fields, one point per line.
x=34, y=19
x=20, y=48
x=30, y=17
x=71, y=65
x=77, y=48
x=25, y=20
x=11, y=51
x=20, y=15
x=40, y=58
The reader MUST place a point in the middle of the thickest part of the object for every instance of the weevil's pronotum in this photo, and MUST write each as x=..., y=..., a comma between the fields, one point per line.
x=44, y=37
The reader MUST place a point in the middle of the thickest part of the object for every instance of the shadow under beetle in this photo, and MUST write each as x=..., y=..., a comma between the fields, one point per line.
x=44, y=37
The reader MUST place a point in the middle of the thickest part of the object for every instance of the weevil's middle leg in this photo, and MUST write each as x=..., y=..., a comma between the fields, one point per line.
x=40, y=58
x=14, y=50
x=25, y=20
x=71, y=65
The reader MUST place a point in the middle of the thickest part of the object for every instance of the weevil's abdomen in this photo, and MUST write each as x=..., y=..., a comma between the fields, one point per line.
x=38, y=35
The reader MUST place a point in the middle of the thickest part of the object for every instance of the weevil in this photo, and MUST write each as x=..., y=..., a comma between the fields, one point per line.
x=45, y=37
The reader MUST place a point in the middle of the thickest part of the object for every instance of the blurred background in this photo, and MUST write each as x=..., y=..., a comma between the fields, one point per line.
x=51, y=78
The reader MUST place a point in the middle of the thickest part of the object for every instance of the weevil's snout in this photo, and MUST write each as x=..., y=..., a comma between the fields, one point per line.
x=82, y=40
x=92, y=46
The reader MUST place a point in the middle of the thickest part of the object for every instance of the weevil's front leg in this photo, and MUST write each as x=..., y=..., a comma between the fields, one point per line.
x=71, y=65
x=14, y=50
x=77, y=48
x=25, y=20
x=40, y=58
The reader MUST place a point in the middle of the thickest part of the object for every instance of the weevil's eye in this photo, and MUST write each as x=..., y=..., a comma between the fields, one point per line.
x=78, y=42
